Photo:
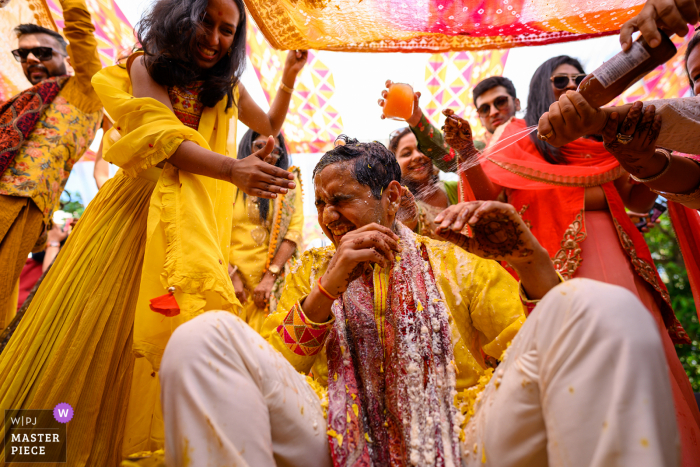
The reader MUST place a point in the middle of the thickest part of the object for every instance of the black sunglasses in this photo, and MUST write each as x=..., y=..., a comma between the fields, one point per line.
x=43, y=54
x=258, y=145
x=500, y=103
x=562, y=81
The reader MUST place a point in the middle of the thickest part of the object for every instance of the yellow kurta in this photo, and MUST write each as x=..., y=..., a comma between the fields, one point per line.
x=482, y=299
x=250, y=255
x=145, y=230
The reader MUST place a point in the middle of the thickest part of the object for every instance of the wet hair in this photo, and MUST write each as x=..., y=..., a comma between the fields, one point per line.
x=541, y=97
x=168, y=35
x=394, y=141
x=492, y=82
x=24, y=29
x=374, y=165
x=691, y=45
x=245, y=149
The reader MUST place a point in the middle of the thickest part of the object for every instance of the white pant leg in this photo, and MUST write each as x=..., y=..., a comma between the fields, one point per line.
x=584, y=383
x=229, y=398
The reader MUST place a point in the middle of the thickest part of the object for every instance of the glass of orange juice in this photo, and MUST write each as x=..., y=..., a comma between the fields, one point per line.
x=398, y=104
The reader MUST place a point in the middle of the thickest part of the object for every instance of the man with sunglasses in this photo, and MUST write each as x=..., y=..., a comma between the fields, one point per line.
x=50, y=126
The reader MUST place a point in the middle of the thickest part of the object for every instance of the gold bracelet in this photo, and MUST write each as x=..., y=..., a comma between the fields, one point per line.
x=660, y=174
x=286, y=88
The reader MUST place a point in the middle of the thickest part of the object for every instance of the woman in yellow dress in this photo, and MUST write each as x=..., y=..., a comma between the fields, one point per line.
x=151, y=250
x=266, y=235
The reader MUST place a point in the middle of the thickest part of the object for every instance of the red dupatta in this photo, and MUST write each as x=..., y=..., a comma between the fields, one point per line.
x=550, y=199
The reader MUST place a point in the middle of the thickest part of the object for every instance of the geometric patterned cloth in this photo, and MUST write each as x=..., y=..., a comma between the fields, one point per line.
x=434, y=25
x=302, y=336
x=312, y=123
x=450, y=78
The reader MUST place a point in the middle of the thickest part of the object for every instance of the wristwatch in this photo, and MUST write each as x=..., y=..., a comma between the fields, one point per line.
x=274, y=269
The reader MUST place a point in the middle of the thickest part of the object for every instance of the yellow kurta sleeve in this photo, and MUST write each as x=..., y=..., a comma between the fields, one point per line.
x=288, y=330
x=482, y=296
x=82, y=50
x=296, y=226
x=149, y=131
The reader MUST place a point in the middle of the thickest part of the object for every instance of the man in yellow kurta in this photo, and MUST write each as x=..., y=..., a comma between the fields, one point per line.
x=398, y=334
x=43, y=156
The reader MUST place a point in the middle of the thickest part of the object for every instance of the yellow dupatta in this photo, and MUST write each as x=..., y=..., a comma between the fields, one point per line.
x=189, y=219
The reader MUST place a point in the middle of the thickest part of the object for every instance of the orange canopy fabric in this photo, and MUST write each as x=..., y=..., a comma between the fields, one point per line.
x=434, y=25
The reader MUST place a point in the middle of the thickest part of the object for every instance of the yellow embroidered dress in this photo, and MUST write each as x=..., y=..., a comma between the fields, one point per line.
x=147, y=230
x=254, y=242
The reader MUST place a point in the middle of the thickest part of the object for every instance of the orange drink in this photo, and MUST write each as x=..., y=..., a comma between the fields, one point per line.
x=399, y=102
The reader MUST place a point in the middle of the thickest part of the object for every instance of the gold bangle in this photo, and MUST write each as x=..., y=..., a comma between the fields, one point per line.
x=660, y=174
x=286, y=88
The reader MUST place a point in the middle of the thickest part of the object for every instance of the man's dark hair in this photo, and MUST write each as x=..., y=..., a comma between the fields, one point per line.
x=245, y=149
x=541, y=97
x=24, y=29
x=374, y=165
x=168, y=34
x=691, y=45
x=492, y=82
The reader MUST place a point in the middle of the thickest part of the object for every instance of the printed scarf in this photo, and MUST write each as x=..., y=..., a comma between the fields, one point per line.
x=391, y=383
x=19, y=115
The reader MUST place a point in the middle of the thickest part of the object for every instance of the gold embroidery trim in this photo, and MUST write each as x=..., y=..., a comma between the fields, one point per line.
x=586, y=181
x=643, y=268
x=568, y=258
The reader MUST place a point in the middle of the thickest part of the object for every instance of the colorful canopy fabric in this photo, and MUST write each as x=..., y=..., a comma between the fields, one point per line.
x=450, y=78
x=114, y=34
x=312, y=122
x=434, y=25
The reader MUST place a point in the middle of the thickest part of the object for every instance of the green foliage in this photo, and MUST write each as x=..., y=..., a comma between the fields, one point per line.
x=667, y=255
x=72, y=203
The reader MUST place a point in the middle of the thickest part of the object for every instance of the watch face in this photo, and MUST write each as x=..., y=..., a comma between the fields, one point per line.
x=274, y=269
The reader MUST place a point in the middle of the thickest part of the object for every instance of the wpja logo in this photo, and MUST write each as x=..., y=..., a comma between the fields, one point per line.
x=36, y=435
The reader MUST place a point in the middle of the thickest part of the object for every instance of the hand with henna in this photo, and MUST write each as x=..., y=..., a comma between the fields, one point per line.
x=639, y=156
x=458, y=134
x=499, y=233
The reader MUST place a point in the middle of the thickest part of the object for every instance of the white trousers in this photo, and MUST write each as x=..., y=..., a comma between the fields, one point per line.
x=584, y=383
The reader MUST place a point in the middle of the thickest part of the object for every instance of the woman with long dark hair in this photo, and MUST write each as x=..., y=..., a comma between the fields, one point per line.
x=266, y=236
x=150, y=251
x=573, y=198
x=420, y=176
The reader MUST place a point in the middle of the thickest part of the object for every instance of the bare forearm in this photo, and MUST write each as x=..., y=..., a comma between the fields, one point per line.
x=641, y=199
x=280, y=106
x=537, y=275
x=481, y=184
x=284, y=253
x=683, y=176
x=193, y=158
x=49, y=255
x=317, y=307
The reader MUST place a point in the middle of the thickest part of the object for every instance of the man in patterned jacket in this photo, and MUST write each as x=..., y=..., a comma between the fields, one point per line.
x=44, y=130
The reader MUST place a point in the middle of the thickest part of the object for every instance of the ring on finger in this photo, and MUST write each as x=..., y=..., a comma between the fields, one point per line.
x=545, y=137
x=624, y=139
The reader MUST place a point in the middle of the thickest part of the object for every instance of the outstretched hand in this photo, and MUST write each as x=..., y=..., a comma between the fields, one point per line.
x=500, y=234
x=258, y=178
x=570, y=118
x=458, y=134
x=499, y=231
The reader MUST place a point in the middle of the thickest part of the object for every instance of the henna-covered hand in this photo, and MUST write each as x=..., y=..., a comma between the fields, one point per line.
x=498, y=231
x=458, y=134
x=638, y=156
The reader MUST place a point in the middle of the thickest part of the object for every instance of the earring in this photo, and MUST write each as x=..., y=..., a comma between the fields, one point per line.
x=229, y=51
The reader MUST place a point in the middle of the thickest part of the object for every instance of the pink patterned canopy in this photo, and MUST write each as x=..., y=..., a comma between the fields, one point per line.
x=434, y=25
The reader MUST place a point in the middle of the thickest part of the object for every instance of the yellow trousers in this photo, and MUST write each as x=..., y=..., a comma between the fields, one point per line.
x=21, y=224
